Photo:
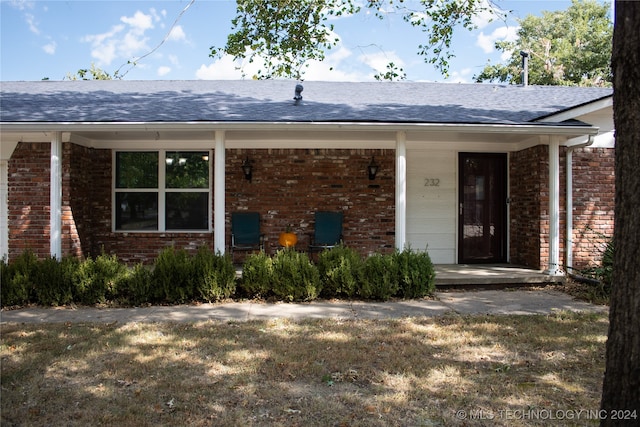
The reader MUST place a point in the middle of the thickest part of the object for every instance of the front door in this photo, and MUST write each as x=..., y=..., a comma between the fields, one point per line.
x=482, y=208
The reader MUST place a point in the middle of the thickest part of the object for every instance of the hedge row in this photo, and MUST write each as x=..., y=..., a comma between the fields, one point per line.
x=178, y=277
x=175, y=277
x=339, y=273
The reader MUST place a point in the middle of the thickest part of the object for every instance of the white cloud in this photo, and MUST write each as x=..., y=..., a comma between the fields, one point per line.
x=330, y=69
x=139, y=22
x=31, y=22
x=177, y=33
x=487, y=15
x=132, y=44
x=163, y=70
x=109, y=46
x=460, y=76
x=174, y=60
x=22, y=4
x=379, y=61
x=50, y=48
x=154, y=13
x=487, y=42
x=104, y=45
x=338, y=65
x=226, y=68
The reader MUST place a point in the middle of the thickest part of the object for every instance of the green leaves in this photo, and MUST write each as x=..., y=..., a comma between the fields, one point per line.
x=438, y=19
x=393, y=73
x=571, y=47
x=287, y=34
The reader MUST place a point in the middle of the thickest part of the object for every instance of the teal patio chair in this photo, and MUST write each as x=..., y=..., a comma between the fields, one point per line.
x=245, y=232
x=327, y=231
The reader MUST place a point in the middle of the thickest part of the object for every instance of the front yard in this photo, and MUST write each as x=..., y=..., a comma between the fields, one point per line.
x=448, y=370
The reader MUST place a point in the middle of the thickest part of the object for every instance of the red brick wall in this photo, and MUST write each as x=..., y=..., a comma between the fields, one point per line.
x=28, y=199
x=86, y=194
x=288, y=186
x=593, y=203
x=528, y=177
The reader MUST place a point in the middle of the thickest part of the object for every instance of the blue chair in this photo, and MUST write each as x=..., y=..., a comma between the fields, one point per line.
x=327, y=231
x=245, y=232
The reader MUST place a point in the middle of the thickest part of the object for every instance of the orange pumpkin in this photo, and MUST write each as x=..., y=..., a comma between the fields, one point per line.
x=288, y=239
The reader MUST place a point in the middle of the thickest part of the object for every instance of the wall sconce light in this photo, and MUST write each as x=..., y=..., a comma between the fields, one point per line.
x=373, y=168
x=247, y=169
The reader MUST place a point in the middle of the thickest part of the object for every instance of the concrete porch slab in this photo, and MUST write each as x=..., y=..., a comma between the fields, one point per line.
x=452, y=275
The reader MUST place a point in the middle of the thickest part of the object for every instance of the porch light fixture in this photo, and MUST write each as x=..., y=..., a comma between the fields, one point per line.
x=373, y=168
x=247, y=169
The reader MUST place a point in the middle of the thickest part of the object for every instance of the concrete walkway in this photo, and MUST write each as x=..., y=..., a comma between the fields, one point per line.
x=521, y=301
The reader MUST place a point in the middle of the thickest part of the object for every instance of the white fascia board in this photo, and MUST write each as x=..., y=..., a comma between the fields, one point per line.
x=20, y=127
x=35, y=131
x=579, y=111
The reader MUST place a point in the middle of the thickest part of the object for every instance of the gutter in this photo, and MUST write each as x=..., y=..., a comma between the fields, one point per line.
x=569, y=220
x=537, y=128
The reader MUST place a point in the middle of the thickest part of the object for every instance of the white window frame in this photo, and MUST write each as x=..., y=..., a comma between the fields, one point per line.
x=161, y=190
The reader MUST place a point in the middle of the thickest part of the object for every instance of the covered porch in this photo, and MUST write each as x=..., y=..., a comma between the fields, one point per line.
x=490, y=275
x=461, y=276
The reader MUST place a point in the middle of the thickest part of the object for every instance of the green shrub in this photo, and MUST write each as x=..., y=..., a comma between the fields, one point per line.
x=17, y=279
x=214, y=275
x=380, y=277
x=294, y=278
x=602, y=273
x=257, y=271
x=340, y=270
x=134, y=287
x=173, y=276
x=53, y=281
x=416, y=274
x=96, y=280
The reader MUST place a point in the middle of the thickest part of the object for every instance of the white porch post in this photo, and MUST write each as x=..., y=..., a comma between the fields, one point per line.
x=219, y=193
x=55, y=226
x=4, y=208
x=6, y=150
x=401, y=190
x=554, y=207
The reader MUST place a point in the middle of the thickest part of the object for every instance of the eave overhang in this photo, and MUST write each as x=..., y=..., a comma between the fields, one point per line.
x=538, y=128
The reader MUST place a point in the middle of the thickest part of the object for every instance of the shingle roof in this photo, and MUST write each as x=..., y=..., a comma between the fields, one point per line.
x=272, y=101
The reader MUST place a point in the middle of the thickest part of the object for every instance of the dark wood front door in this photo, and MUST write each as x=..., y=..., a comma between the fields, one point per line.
x=482, y=208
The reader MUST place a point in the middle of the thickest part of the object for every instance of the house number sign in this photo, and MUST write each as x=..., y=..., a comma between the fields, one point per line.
x=432, y=182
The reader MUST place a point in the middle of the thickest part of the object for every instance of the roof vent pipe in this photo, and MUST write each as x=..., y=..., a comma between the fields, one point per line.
x=525, y=68
x=298, y=96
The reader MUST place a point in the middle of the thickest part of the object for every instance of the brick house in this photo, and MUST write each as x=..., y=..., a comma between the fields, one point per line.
x=475, y=173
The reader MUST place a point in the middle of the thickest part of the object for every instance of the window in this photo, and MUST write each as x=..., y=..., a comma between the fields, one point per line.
x=162, y=191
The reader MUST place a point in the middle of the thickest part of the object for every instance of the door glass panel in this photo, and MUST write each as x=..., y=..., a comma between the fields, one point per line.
x=482, y=208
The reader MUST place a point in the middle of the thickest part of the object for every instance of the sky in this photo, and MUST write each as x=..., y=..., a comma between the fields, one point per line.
x=171, y=40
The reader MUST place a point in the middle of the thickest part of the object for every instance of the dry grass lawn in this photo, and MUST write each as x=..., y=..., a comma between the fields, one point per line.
x=440, y=371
